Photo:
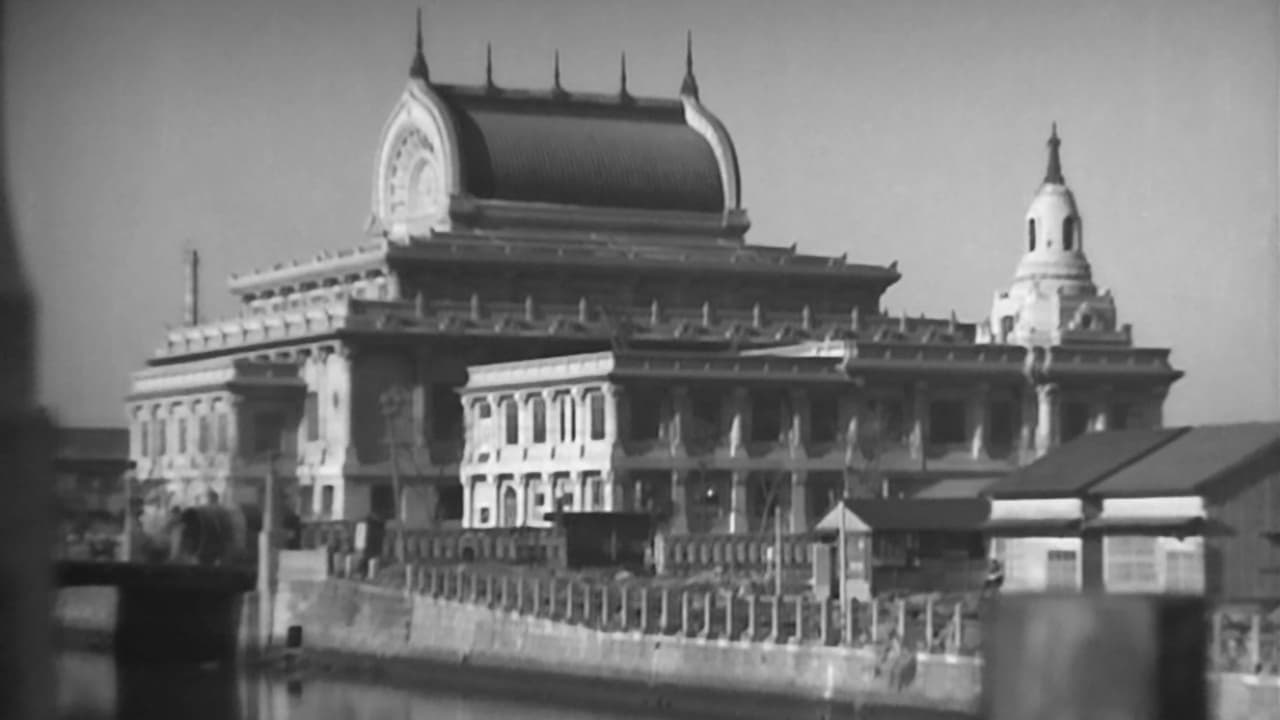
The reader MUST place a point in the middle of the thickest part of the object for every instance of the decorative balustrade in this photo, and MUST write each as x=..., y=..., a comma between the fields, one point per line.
x=685, y=554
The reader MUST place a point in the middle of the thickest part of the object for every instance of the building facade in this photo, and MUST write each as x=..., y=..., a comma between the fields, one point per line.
x=546, y=227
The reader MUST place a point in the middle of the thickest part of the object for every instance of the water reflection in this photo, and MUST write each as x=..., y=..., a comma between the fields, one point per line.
x=92, y=687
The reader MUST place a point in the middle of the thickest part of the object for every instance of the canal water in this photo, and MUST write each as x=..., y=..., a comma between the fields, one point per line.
x=92, y=687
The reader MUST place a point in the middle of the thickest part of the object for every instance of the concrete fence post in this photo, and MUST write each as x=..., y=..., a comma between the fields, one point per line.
x=625, y=615
x=728, y=616
x=686, y=628
x=349, y=566
x=849, y=606
x=824, y=622
x=644, y=610
x=775, y=619
x=587, y=593
x=536, y=587
x=551, y=598
x=798, y=636
x=505, y=598
x=875, y=621
x=372, y=573
x=568, y=601
x=475, y=587
x=664, y=611
x=1255, y=643
x=488, y=590
x=957, y=628
x=410, y=575
x=751, y=618
x=606, y=614
x=928, y=623
x=708, y=604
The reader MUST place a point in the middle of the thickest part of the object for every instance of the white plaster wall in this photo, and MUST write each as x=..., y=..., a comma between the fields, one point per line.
x=1026, y=561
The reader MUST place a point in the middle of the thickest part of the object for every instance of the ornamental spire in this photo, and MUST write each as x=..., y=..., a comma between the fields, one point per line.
x=622, y=89
x=1054, y=172
x=488, y=66
x=557, y=89
x=690, y=85
x=419, y=67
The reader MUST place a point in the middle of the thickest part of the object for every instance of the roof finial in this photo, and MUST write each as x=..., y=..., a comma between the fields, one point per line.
x=419, y=67
x=557, y=89
x=488, y=66
x=1054, y=173
x=690, y=85
x=622, y=91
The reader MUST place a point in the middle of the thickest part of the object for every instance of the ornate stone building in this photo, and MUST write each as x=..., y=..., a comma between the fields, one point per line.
x=549, y=227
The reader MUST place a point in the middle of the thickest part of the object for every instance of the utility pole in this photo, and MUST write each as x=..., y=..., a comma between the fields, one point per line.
x=266, y=554
x=392, y=404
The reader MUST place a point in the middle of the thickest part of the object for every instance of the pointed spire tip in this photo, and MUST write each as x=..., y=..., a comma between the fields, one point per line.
x=690, y=85
x=419, y=67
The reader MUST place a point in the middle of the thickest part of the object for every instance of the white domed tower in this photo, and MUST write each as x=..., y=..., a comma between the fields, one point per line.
x=1053, y=300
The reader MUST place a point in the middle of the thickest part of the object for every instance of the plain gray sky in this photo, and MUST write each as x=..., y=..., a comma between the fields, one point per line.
x=894, y=129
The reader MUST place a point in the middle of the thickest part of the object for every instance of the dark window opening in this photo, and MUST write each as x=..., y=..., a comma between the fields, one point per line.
x=823, y=418
x=1068, y=233
x=306, y=500
x=596, y=404
x=1118, y=417
x=1075, y=420
x=890, y=414
x=511, y=419
x=646, y=416
x=704, y=412
x=144, y=439
x=1031, y=235
x=449, y=502
x=312, y=409
x=224, y=424
x=767, y=411
x=162, y=437
x=538, y=408
x=446, y=413
x=268, y=432
x=1001, y=428
x=382, y=502
x=182, y=435
x=202, y=434
x=326, y=501
x=947, y=422
x=1006, y=328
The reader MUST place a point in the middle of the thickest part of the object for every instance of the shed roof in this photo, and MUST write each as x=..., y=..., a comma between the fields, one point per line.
x=910, y=514
x=1195, y=459
x=1073, y=468
x=590, y=150
x=956, y=488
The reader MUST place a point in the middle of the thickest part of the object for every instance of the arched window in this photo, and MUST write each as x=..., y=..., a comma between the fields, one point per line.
x=511, y=417
x=538, y=409
x=510, y=507
x=1068, y=233
x=1031, y=235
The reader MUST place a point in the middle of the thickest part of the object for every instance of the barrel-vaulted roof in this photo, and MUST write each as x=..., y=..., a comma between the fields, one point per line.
x=596, y=150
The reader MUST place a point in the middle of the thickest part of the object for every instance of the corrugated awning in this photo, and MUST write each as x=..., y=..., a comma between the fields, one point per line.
x=1032, y=526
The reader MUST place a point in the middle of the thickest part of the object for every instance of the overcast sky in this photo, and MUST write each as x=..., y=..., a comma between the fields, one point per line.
x=891, y=130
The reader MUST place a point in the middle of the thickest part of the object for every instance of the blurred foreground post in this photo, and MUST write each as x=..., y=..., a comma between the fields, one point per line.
x=1094, y=657
x=26, y=520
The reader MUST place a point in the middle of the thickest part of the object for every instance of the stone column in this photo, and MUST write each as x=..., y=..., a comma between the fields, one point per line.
x=611, y=393
x=551, y=417
x=679, y=502
x=799, y=501
x=799, y=435
x=739, y=424
x=580, y=495
x=919, y=419
x=1047, y=427
x=621, y=404
x=1100, y=410
x=979, y=412
x=678, y=424
x=739, y=522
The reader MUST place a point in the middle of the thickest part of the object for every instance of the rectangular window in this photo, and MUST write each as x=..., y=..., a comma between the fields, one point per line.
x=182, y=436
x=767, y=411
x=891, y=414
x=484, y=516
x=312, y=412
x=1061, y=571
x=268, y=432
x=1131, y=563
x=538, y=409
x=595, y=491
x=562, y=487
x=202, y=434
x=562, y=407
x=704, y=416
x=1183, y=572
x=224, y=423
x=1075, y=420
x=162, y=437
x=646, y=415
x=144, y=439
x=306, y=500
x=511, y=421
x=382, y=501
x=1001, y=427
x=596, y=401
x=446, y=413
x=1118, y=417
x=947, y=422
x=823, y=418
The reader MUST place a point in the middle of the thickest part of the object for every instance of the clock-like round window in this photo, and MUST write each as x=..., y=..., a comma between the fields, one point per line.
x=414, y=188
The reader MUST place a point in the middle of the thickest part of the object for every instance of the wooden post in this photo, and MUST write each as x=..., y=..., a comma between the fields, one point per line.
x=568, y=601
x=798, y=637
x=624, y=619
x=728, y=616
x=849, y=608
x=775, y=619
x=824, y=621
x=664, y=611
x=644, y=610
x=685, y=611
x=1255, y=643
x=902, y=620
x=708, y=602
x=606, y=613
x=875, y=621
x=928, y=623
x=751, y=618
x=1094, y=656
x=957, y=628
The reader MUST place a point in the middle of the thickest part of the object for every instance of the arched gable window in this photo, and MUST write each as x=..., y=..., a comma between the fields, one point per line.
x=511, y=418
x=538, y=409
x=1031, y=235
x=1068, y=233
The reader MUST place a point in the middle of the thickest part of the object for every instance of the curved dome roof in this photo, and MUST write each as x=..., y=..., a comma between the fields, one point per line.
x=590, y=150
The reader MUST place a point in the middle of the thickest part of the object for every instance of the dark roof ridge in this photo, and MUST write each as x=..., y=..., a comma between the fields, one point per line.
x=500, y=96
